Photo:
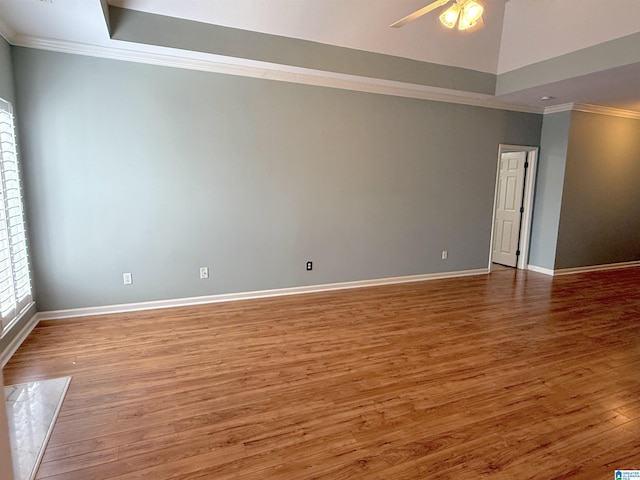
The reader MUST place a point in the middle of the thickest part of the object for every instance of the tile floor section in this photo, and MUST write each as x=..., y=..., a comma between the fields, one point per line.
x=32, y=409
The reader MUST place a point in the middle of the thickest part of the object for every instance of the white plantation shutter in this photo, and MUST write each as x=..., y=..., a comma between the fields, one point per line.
x=15, y=283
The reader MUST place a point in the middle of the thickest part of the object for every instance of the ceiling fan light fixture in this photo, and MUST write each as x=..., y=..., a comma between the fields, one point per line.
x=449, y=17
x=464, y=24
x=463, y=13
x=471, y=13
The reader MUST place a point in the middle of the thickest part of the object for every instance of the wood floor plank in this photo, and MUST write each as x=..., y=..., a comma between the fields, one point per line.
x=512, y=375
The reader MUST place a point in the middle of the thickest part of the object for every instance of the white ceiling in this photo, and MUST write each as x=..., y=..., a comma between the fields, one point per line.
x=537, y=30
x=534, y=30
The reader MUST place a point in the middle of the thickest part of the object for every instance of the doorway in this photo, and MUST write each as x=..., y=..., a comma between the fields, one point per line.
x=513, y=206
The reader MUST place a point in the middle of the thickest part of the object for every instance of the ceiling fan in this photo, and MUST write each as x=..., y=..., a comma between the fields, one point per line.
x=468, y=12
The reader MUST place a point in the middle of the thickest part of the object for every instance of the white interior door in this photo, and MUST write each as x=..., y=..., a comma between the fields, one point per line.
x=509, y=202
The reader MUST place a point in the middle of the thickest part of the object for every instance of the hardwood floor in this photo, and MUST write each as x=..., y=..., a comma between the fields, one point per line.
x=513, y=375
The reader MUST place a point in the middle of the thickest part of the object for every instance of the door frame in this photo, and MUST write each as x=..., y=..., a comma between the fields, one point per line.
x=527, y=216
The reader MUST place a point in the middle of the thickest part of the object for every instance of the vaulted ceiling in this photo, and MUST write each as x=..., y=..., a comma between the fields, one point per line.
x=576, y=51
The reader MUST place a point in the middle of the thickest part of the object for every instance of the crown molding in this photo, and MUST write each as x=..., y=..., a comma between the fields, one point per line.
x=586, y=108
x=565, y=107
x=176, y=58
x=614, y=112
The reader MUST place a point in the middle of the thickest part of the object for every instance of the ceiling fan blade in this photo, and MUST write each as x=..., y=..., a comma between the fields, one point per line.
x=419, y=13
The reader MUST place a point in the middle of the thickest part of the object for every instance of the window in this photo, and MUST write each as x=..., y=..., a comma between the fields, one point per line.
x=15, y=282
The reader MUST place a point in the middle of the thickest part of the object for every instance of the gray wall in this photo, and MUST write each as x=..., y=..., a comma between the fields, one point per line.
x=600, y=219
x=616, y=53
x=549, y=185
x=158, y=171
x=146, y=28
x=6, y=72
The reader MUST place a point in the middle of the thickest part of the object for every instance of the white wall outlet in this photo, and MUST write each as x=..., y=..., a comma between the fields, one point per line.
x=127, y=279
x=204, y=272
x=445, y=254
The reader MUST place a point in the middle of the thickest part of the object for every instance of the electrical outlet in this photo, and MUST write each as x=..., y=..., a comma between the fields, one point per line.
x=445, y=254
x=127, y=278
x=309, y=266
x=204, y=272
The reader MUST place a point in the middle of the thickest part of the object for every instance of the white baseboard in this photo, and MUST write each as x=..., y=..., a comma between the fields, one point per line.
x=596, y=268
x=229, y=297
x=535, y=268
x=22, y=335
x=589, y=268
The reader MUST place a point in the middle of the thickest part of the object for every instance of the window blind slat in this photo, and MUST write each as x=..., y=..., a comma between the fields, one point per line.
x=15, y=282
